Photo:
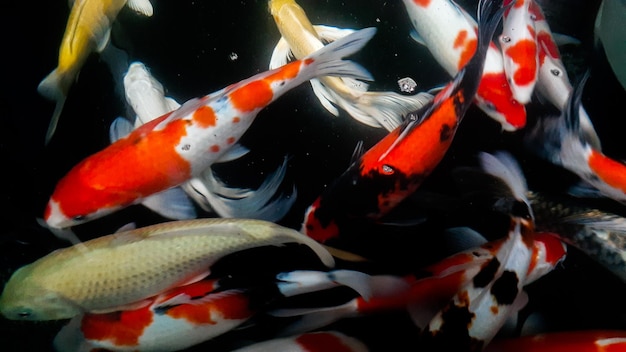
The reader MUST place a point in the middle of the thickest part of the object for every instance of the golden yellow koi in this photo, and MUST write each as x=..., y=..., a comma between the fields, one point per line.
x=123, y=270
x=301, y=38
x=88, y=29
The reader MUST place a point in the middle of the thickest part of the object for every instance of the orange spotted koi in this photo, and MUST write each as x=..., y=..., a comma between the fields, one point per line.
x=180, y=317
x=553, y=82
x=171, y=149
x=449, y=33
x=397, y=165
x=519, y=49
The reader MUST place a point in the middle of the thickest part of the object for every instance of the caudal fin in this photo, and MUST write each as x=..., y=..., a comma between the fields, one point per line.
x=54, y=87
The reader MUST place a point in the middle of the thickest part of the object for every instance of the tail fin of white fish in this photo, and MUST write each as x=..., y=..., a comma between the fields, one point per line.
x=55, y=87
x=212, y=194
x=304, y=281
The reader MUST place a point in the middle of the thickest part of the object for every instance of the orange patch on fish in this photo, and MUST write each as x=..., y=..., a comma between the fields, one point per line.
x=495, y=89
x=612, y=172
x=228, y=305
x=205, y=116
x=545, y=41
x=468, y=47
x=126, y=170
x=523, y=53
x=422, y=3
x=120, y=328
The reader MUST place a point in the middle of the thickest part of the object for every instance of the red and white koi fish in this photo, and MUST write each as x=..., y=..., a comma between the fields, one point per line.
x=319, y=341
x=147, y=98
x=178, y=146
x=397, y=165
x=300, y=38
x=519, y=50
x=561, y=141
x=553, y=82
x=421, y=296
x=563, y=341
x=187, y=315
x=449, y=33
x=88, y=30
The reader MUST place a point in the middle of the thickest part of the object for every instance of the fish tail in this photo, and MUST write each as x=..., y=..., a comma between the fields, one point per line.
x=327, y=61
x=376, y=109
x=54, y=87
x=304, y=281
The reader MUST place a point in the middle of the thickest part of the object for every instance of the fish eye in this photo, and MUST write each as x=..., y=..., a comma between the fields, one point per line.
x=79, y=218
x=388, y=169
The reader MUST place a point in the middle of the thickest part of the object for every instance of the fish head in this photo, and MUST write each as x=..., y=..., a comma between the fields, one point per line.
x=24, y=299
x=58, y=214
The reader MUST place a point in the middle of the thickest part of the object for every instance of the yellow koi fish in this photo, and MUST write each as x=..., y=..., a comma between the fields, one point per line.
x=88, y=30
x=301, y=38
x=123, y=270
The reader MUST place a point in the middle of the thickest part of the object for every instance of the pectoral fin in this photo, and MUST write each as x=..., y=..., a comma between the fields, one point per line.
x=143, y=7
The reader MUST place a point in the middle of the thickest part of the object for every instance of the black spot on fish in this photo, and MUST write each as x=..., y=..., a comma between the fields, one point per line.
x=486, y=274
x=446, y=133
x=453, y=335
x=504, y=289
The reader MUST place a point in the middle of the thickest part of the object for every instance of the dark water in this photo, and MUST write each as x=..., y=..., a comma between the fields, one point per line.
x=187, y=46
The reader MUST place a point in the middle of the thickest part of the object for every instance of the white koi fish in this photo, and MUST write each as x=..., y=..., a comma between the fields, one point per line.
x=88, y=30
x=176, y=147
x=553, y=83
x=146, y=96
x=124, y=270
x=519, y=50
x=301, y=38
x=449, y=33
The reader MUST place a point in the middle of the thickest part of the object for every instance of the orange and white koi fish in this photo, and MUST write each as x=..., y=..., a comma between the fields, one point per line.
x=449, y=33
x=147, y=98
x=172, y=149
x=318, y=341
x=88, y=30
x=300, y=38
x=561, y=141
x=177, y=319
x=553, y=83
x=397, y=165
x=121, y=271
x=519, y=50
x=563, y=341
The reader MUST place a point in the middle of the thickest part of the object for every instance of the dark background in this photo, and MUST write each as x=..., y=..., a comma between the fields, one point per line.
x=187, y=44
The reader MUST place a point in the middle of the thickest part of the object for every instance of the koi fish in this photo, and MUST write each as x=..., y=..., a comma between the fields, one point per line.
x=300, y=38
x=318, y=341
x=421, y=296
x=178, y=146
x=395, y=167
x=122, y=270
x=519, y=50
x=553, y=83
x=449, y=33
x=88, y=30
x=562, y=341
x=147, y=98
x=561, y=141
x=188, y=315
